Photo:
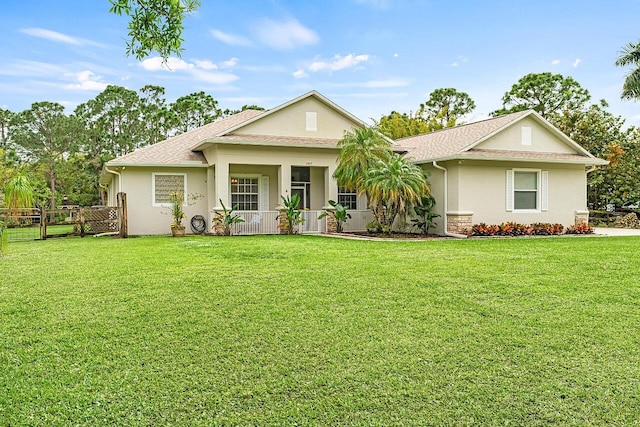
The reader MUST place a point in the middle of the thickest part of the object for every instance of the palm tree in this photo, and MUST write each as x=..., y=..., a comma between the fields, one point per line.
x=18, y=194
x=630, y=55
x=359, y=150
x=395, y=185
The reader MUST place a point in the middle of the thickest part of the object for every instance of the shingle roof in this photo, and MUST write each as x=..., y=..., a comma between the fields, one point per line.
x=178, y=149
x=276, y=140
x=449, y=142
x=459, y=142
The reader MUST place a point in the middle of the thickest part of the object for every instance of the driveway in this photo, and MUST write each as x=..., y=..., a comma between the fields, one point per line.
x=604, y=231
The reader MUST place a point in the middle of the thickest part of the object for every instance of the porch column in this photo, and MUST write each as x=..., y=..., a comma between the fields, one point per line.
x=330, y=185
x=222, y=185
x=284, y=182
x=211, y=188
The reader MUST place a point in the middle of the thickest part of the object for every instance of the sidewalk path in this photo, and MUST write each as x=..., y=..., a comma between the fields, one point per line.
x=605, y=231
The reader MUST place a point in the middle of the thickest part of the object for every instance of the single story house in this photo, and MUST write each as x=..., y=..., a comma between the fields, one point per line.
x=517, y=167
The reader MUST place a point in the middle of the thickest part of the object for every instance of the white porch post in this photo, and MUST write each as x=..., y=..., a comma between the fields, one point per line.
x=284, y=181
x=211, y=188
x=222, y=184
x=330, y=185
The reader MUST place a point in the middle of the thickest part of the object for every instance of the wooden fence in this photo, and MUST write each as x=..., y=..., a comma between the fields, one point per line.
x=40, y=224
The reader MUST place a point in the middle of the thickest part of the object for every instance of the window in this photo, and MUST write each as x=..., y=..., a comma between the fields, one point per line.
x=166, y=183
x=348, y=199
x=527, y=190
x=244, y=193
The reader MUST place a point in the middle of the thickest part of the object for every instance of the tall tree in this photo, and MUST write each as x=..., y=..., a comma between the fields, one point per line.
x=630, y=56
x=396, y=125
x=5, y=121
x=194, y=110
x=359, y=149
x=44, y=134
x=155, y=25
x=546, y=93
x=446, y=106
x=157, y=119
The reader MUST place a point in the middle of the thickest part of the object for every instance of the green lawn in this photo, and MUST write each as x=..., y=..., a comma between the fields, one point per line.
x=306, y=330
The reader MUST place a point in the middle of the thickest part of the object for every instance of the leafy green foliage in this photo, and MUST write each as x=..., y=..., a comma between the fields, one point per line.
x=176, y=202
x=630, y=56
x=547, y=94
x=155, y=25
x=424, y=211
x=445, y=106
x=4, y=240
x=339, y=214
x=224, y=221
x=291, y=215
x=393, y=187
x=18, y=194
x=397, y=126
x=194, y=110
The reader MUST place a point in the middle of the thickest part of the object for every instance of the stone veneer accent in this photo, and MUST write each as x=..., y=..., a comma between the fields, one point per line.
x=582, y=217
x=459, y=222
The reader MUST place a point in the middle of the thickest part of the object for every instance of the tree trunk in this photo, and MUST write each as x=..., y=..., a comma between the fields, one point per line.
x=52, y=187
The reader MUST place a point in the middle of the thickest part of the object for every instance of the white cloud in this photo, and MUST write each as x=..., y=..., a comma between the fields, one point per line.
x=454, y=64
x=338, y=63
x=205, y=65
x=200, y=70
x=51, y=35
x=231, y=62
x=395, y=55
x=300, y=74
x=577, y=62
x=285, y=35
x=87, y=80
x=230, y=39
x=555, y=62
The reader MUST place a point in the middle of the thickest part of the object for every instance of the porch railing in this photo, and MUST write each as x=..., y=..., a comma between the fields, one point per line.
x=266, y=222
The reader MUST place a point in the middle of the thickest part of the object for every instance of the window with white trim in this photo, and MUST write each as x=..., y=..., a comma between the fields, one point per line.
x=348, y=199
x=245, y=193
x=527, y=190
x=166, y=183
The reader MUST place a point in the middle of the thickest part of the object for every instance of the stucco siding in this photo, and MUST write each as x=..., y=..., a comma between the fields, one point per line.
x=542, y=140
x=482, y=190
x=436, y=183
x=291, y=121
x=144, y=218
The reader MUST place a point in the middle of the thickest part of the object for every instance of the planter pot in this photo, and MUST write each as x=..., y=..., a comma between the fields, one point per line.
x=177, y=231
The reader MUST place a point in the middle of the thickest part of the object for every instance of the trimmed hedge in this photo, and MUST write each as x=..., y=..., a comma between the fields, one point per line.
x=535, y=229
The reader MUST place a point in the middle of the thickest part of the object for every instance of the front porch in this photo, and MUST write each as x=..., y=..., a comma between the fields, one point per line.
x=266, y=222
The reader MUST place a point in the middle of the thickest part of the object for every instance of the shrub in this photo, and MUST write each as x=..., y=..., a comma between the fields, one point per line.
x=580, y=229
x=516, y=229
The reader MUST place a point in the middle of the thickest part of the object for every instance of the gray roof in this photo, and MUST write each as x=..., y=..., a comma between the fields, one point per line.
x=459, y=143
x=178, y=150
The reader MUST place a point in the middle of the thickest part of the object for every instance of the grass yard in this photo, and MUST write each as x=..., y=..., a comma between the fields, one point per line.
x=306, y=330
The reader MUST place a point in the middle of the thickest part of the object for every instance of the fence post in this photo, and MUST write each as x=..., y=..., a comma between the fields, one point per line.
x=81, y=219
x=122, y=214
x=43, y=223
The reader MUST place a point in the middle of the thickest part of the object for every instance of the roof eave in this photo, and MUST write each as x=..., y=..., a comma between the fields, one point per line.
x=184, y=164
x=594, y=161
x=206, y=143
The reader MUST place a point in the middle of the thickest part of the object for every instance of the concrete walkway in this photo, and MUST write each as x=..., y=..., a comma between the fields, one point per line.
x=605, y=231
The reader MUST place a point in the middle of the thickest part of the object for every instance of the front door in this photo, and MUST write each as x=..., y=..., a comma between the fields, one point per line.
x=302, y=190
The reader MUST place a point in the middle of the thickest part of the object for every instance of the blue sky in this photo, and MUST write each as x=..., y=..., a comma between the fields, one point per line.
x=369, y=56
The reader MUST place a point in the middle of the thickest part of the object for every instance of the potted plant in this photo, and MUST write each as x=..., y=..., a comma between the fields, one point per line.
x=224, y=220
x=176, y=199
x=337, y=213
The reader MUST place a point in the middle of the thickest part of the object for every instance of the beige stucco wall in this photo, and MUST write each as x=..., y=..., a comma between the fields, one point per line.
x=291, y=121
x=144, y=218
x=436, y=183
x=542, y=140
x=480, y=187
